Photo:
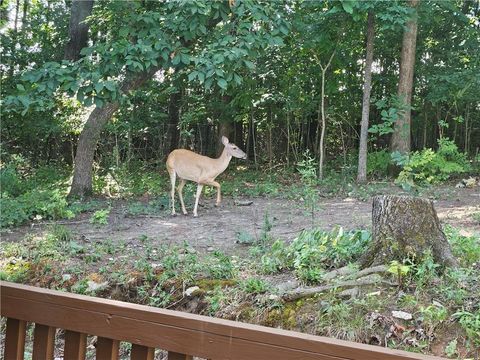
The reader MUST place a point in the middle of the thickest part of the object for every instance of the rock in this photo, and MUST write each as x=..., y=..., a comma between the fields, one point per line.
x=66, y=277
x=93, y=286
x=273, y=297
x=191, y=291
x=243, y=203
x=402, y=315
x=210, y=249
x=349, y=293
x=287, y=286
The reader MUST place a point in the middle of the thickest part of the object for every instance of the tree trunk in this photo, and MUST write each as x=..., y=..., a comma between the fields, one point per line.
x=225, y=123
x=238, y=134
x=87, y=142
x=77, y=29
x=362, y=152
x=401, y=136
x=173, y=119
x=403, y=227
x=25, y=12
x=321, y=147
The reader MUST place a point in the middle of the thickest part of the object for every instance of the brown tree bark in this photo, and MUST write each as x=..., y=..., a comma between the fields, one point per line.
x=403, y=227
x=78, y=30
x=321, y=147
x=225, y=123
x=174, y=118
x=87, y=142
x=362, y=152
x=401, y=136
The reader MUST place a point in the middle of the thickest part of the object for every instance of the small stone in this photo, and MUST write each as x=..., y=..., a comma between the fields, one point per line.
x=191, y=290
x=273, y=297
x=66, y=277
x=210, y=249
x=93, y=286
x=402, y=315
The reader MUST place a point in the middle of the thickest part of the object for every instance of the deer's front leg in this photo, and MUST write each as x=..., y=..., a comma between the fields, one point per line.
x=217, y=185
x=199, y=191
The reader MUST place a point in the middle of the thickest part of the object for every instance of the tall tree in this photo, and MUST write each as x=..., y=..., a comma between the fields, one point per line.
x=78, y=29
x=400, y=141
x=174, y=105
x=362, y=153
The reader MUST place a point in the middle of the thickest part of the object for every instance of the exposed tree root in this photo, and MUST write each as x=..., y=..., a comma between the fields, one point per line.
x=356, y=279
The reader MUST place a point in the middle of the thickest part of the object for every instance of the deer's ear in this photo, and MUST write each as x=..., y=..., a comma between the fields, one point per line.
x=224, y=140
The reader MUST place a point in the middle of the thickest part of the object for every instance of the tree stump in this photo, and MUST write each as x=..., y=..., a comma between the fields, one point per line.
x=404, y=226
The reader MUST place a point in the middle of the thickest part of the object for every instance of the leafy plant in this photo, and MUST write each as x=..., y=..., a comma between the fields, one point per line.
x=400, y=270
x=220, y=266
x=428, y=167
x=254, y=286
x=378, y=162
x=315, y=250
x=100, y=217
x=307, y=168
x=471, y=323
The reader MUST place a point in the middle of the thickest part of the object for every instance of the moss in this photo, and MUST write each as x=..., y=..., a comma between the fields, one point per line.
x=285, y=317
x=15, y=270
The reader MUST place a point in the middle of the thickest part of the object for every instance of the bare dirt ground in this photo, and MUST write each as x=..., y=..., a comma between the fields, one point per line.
x=219, y=228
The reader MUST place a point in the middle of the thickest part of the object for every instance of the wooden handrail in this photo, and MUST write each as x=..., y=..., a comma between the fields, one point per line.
x=177, y=332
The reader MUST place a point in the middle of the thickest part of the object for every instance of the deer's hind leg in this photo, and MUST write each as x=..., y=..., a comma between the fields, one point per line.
x=180, y=195
x=173, y=176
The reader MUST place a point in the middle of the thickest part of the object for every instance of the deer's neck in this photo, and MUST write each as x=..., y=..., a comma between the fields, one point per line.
x=223, y=161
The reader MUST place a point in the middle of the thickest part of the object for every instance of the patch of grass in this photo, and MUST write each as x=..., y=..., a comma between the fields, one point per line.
x=476, y=217
x=220, y=266
x=153, y=207
x=465, y=248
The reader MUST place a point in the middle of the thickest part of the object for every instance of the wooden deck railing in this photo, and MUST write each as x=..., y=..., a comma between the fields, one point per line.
x=183, y=335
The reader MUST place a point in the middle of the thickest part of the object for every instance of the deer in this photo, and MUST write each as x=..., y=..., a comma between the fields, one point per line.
x=203, y=170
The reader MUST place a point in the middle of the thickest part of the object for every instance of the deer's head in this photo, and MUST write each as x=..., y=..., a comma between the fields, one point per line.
x=233, y=149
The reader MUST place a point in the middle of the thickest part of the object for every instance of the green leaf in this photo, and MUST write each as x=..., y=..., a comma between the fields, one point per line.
x=249, y=64
x=20, y=87
x=347, y=6
x=98, y=87
x=222, y=83
x=192, y=75
x=110, y=85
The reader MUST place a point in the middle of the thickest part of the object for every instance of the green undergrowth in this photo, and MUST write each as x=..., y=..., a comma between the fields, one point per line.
x=244, y=288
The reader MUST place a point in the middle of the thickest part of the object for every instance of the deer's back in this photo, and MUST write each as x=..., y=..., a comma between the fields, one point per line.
x=189, y=165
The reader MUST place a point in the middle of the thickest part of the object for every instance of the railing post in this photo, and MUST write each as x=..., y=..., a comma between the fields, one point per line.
x=177, y=356
x=75, y=345
x=140, y=352
x=107, y=349
x=15, y=339
x=43, y=342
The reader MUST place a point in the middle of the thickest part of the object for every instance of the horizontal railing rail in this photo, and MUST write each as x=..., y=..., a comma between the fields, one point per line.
x=183, y=335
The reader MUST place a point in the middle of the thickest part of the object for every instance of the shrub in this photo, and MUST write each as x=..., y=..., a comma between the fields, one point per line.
x=315, y=250
x=378, y=162
x=428, y=167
